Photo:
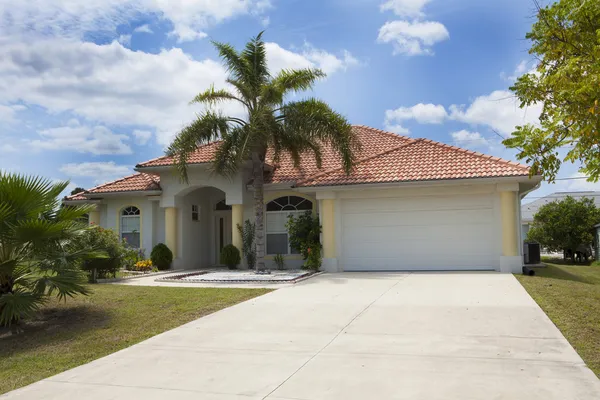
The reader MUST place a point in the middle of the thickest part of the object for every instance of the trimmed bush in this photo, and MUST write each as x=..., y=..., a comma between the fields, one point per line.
x=230, y=256
x=161, y=257
x=104, y=240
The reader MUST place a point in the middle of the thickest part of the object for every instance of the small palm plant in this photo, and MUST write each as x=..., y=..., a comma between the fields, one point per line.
x=39, y=251
x=298, y=128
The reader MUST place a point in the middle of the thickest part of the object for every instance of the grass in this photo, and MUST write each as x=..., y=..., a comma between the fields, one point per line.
x=570, y=296
x=65, y=335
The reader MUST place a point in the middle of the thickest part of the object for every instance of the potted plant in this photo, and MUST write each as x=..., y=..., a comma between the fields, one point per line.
x=230, y=256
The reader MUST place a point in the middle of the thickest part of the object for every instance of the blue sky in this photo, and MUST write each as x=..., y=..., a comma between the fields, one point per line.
x=89, y=90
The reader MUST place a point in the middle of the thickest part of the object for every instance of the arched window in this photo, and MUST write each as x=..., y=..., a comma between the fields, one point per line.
x=276, y=217
x=130, y=226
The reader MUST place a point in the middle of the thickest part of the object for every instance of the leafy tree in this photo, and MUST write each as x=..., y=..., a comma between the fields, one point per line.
x=39, y=254
x=77, y=190
x=298, y=128
x=566, y=42
x=565, y=224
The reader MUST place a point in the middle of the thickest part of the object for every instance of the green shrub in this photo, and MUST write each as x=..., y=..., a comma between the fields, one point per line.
x=230, y=256
x=279, y=261
x=304, y=232
x=161, y=257
x=314, y=260
x=107, y=241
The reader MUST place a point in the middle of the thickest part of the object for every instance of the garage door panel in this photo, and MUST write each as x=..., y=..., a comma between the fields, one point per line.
x=424, y=203
x=418, y=233
x=418, y=218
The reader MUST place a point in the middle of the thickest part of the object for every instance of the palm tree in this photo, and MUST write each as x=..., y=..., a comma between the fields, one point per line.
x=38, y=252
x=298, y=128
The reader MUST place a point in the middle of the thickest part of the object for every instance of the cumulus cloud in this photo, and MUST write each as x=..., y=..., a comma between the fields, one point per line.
x=422, y=113
x=100, y=171
x=76, y=18
x=414, y=36
x=83, y=139
x=498, y=110
x=308, y=56
x=141, y=136
x=114, y=85
x=405, y=8
x=143, y=29
x=8, y=112
x=470, y=140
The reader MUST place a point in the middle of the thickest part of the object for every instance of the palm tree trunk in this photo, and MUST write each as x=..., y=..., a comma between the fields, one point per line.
x=258, y=183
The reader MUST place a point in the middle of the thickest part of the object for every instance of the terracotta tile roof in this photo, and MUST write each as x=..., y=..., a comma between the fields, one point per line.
x=384, y=157
x=136, y=182
x=204, y=154
x=420, y=160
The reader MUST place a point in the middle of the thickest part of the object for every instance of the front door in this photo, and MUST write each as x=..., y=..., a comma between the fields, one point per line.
x=222, y=232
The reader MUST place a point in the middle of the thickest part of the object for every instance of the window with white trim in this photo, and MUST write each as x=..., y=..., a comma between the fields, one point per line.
x=276, y=218
x=195, y=212
x=130, y=226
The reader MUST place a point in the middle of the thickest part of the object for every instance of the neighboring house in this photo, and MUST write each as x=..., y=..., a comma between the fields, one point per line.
x=529, y=210
x=410, y=204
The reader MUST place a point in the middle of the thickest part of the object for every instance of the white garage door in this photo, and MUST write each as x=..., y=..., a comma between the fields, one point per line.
x=418, y=233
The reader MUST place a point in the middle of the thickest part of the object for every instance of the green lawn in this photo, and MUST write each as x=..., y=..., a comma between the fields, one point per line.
x=570, y=295
x=65, y=335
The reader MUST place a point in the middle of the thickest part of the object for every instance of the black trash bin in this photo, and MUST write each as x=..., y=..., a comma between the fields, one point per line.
x=531, y=253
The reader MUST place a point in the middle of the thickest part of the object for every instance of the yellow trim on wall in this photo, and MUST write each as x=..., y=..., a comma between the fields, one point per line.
x=328, y=224
x=141, y=222
x=171, y=230
x=508, y=214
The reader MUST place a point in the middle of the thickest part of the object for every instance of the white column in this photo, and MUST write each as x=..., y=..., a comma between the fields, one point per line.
x=511, y=260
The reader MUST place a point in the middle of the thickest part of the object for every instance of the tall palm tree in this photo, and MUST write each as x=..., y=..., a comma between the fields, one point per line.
x=298, y=128
x=39, y=255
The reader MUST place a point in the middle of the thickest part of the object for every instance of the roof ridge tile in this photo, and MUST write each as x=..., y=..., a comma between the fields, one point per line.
x=362, y=160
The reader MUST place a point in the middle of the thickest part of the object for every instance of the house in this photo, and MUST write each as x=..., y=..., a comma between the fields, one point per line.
x=529, y=210
x=410, y=204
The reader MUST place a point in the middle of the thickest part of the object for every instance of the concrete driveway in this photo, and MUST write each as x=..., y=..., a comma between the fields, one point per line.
x=350, y=336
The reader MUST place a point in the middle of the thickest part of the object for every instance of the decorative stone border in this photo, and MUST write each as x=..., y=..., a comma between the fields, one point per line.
x=135, y=276
x=178, y=278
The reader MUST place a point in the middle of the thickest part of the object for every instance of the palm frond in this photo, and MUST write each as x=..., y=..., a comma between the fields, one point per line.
x=66, y=284
x=18, y=304
x=207, y=128
x=211, y=97
x=232, y=151
x=235, y=64
x=289, y=80
x=314, y=119
x=255, y=56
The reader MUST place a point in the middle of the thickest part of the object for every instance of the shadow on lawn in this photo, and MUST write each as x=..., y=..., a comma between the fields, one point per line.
x=554, y=272
x=53, y=325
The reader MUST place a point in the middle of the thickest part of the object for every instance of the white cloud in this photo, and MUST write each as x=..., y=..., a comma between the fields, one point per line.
x=116, y=86
x=7, y=112
x=499, y=110
x=143, y=29
x=125, y=40
x=521, y=68
x=395, y=128
x=308, y=57
x=405, y=8
x=413, y=37
x=7, y=148
x=83, y=139
x=75, y=18
x=101, y=171
x=470, y=140
x=141, y=136
x=422, y=113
